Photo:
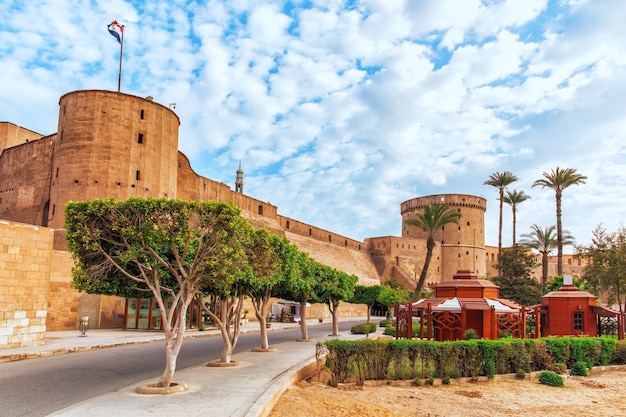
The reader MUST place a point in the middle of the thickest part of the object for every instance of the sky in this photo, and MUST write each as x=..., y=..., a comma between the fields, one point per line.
x=338, y=111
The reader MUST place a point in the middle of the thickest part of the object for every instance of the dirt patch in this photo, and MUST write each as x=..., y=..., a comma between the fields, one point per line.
x=600, y=394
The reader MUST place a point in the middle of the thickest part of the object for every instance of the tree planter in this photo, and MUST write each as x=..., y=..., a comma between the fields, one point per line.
x=268, y=325
x=321, y=320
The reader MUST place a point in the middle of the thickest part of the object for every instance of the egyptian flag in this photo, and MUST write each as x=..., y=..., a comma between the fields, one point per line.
x=116, y=30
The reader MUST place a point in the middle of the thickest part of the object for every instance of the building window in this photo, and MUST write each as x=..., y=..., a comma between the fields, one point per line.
x=141, y=114
x=56, y=175
x=260, y=209
x=287, y=225
x=330, y=238
x=310, y=232
x=140, y=138
x=53, y=208
x=468, y=223
x=578, y=321
x=138, y=175
x=61, y=135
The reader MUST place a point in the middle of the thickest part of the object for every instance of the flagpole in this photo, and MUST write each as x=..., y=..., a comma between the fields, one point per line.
x=119, y=77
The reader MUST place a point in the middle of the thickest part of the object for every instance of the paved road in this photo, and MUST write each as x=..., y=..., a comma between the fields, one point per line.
x=38, y=387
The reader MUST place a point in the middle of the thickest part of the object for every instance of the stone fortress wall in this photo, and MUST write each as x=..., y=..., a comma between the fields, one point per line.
x=111, y=144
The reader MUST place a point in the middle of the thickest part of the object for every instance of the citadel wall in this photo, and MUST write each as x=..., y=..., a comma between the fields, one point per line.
x=25, y=181
x=13, y=135
x=25, y=265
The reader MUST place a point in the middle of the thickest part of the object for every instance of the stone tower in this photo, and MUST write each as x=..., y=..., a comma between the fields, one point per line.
x=463, y=245
x=239, y=180
x=112, y=144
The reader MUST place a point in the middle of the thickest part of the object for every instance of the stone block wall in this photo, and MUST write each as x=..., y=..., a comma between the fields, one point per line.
x=25, y=262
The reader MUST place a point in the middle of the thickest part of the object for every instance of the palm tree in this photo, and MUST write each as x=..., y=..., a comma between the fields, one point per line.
x=544, y=241
x=558, y=180
x=433, y=218
x=513, y=198
x=500, y=180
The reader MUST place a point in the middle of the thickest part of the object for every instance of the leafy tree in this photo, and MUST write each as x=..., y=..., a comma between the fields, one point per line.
x=501, y=180
x=270, y=258
x=558, y=180
x=515, y=282
x=607, y=270
x=367, y=295
x=160, y=247
x=544, y=241
x=557, y=283
x=300, y=286
x=513, y=198
x=333, y=287
x=433, y=218
x=389, y=295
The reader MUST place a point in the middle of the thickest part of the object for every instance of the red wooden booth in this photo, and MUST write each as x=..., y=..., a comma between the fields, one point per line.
x=463, y=303
x=572, y=312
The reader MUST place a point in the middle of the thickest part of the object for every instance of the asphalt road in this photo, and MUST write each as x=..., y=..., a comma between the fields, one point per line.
x=38, y=387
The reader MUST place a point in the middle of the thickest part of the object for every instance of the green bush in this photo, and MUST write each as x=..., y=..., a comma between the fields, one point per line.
x=580, y=369
x=560, y=367
x=520, y=374
x=384, y=323
x=618, y=355
x=446, y=380
x=470, y=334
x=551, y=378
x=363, y=328
x=390, y=329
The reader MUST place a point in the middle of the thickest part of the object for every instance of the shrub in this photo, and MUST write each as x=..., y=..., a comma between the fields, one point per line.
x=446, y=380
x=390, y=329
x=521, y=374
x=469, y=334
x=417, y=382
x=560, y=367
x=551, y=378
x=579, y=369
x=384, y=323
x=490, y=370
x=618, y=356
x=430, y=381
x=363, y=328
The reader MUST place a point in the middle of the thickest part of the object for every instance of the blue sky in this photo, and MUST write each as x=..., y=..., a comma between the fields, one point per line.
x=341, y=110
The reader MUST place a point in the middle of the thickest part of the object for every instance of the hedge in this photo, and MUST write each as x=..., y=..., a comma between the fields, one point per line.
x=410, y=359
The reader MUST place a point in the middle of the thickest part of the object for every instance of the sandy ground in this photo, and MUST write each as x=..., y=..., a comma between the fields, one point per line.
x=603, y=393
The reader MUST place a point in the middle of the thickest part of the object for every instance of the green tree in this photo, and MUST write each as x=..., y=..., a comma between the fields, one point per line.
x=606, y=271
x=160, y=247
x=500, y=180
x=544, y=241
x=367, y=295
x=300, y=286
x=515, y=282
x=271, y=259
x=389, y=296
x=558, y=180
x=513, y=198
x=333, y=287
x=557, y=283
x=432, y=219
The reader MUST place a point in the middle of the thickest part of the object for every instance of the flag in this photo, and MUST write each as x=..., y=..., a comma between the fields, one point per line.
x=116, y=30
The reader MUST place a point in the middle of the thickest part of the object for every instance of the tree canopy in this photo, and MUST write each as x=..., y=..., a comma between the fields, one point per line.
x=515, y=282
x=167, y=249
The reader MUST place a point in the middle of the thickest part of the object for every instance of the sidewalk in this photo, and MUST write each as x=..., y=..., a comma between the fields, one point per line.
x=248, y=390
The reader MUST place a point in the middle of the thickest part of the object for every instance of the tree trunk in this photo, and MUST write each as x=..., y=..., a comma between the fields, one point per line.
x=261, y=316
x=333, y=312
x=514, y=223
x=303, y=328
x=544, y=268
x=430, y=245
x=559, y=234
x=500, y=231
x=174, y=337
x=369, y=312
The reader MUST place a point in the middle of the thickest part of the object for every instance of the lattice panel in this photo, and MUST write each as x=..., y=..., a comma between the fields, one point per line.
x=510, y=323
x=445, y=324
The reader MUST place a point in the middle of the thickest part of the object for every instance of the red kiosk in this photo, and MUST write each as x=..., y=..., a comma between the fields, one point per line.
x=463, y=303
x=572, y=312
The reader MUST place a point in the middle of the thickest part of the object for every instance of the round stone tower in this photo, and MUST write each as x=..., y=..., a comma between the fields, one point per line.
x=112, y=144
x=462, y=245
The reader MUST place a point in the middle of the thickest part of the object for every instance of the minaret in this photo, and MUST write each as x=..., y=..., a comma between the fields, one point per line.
x=239, y=180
